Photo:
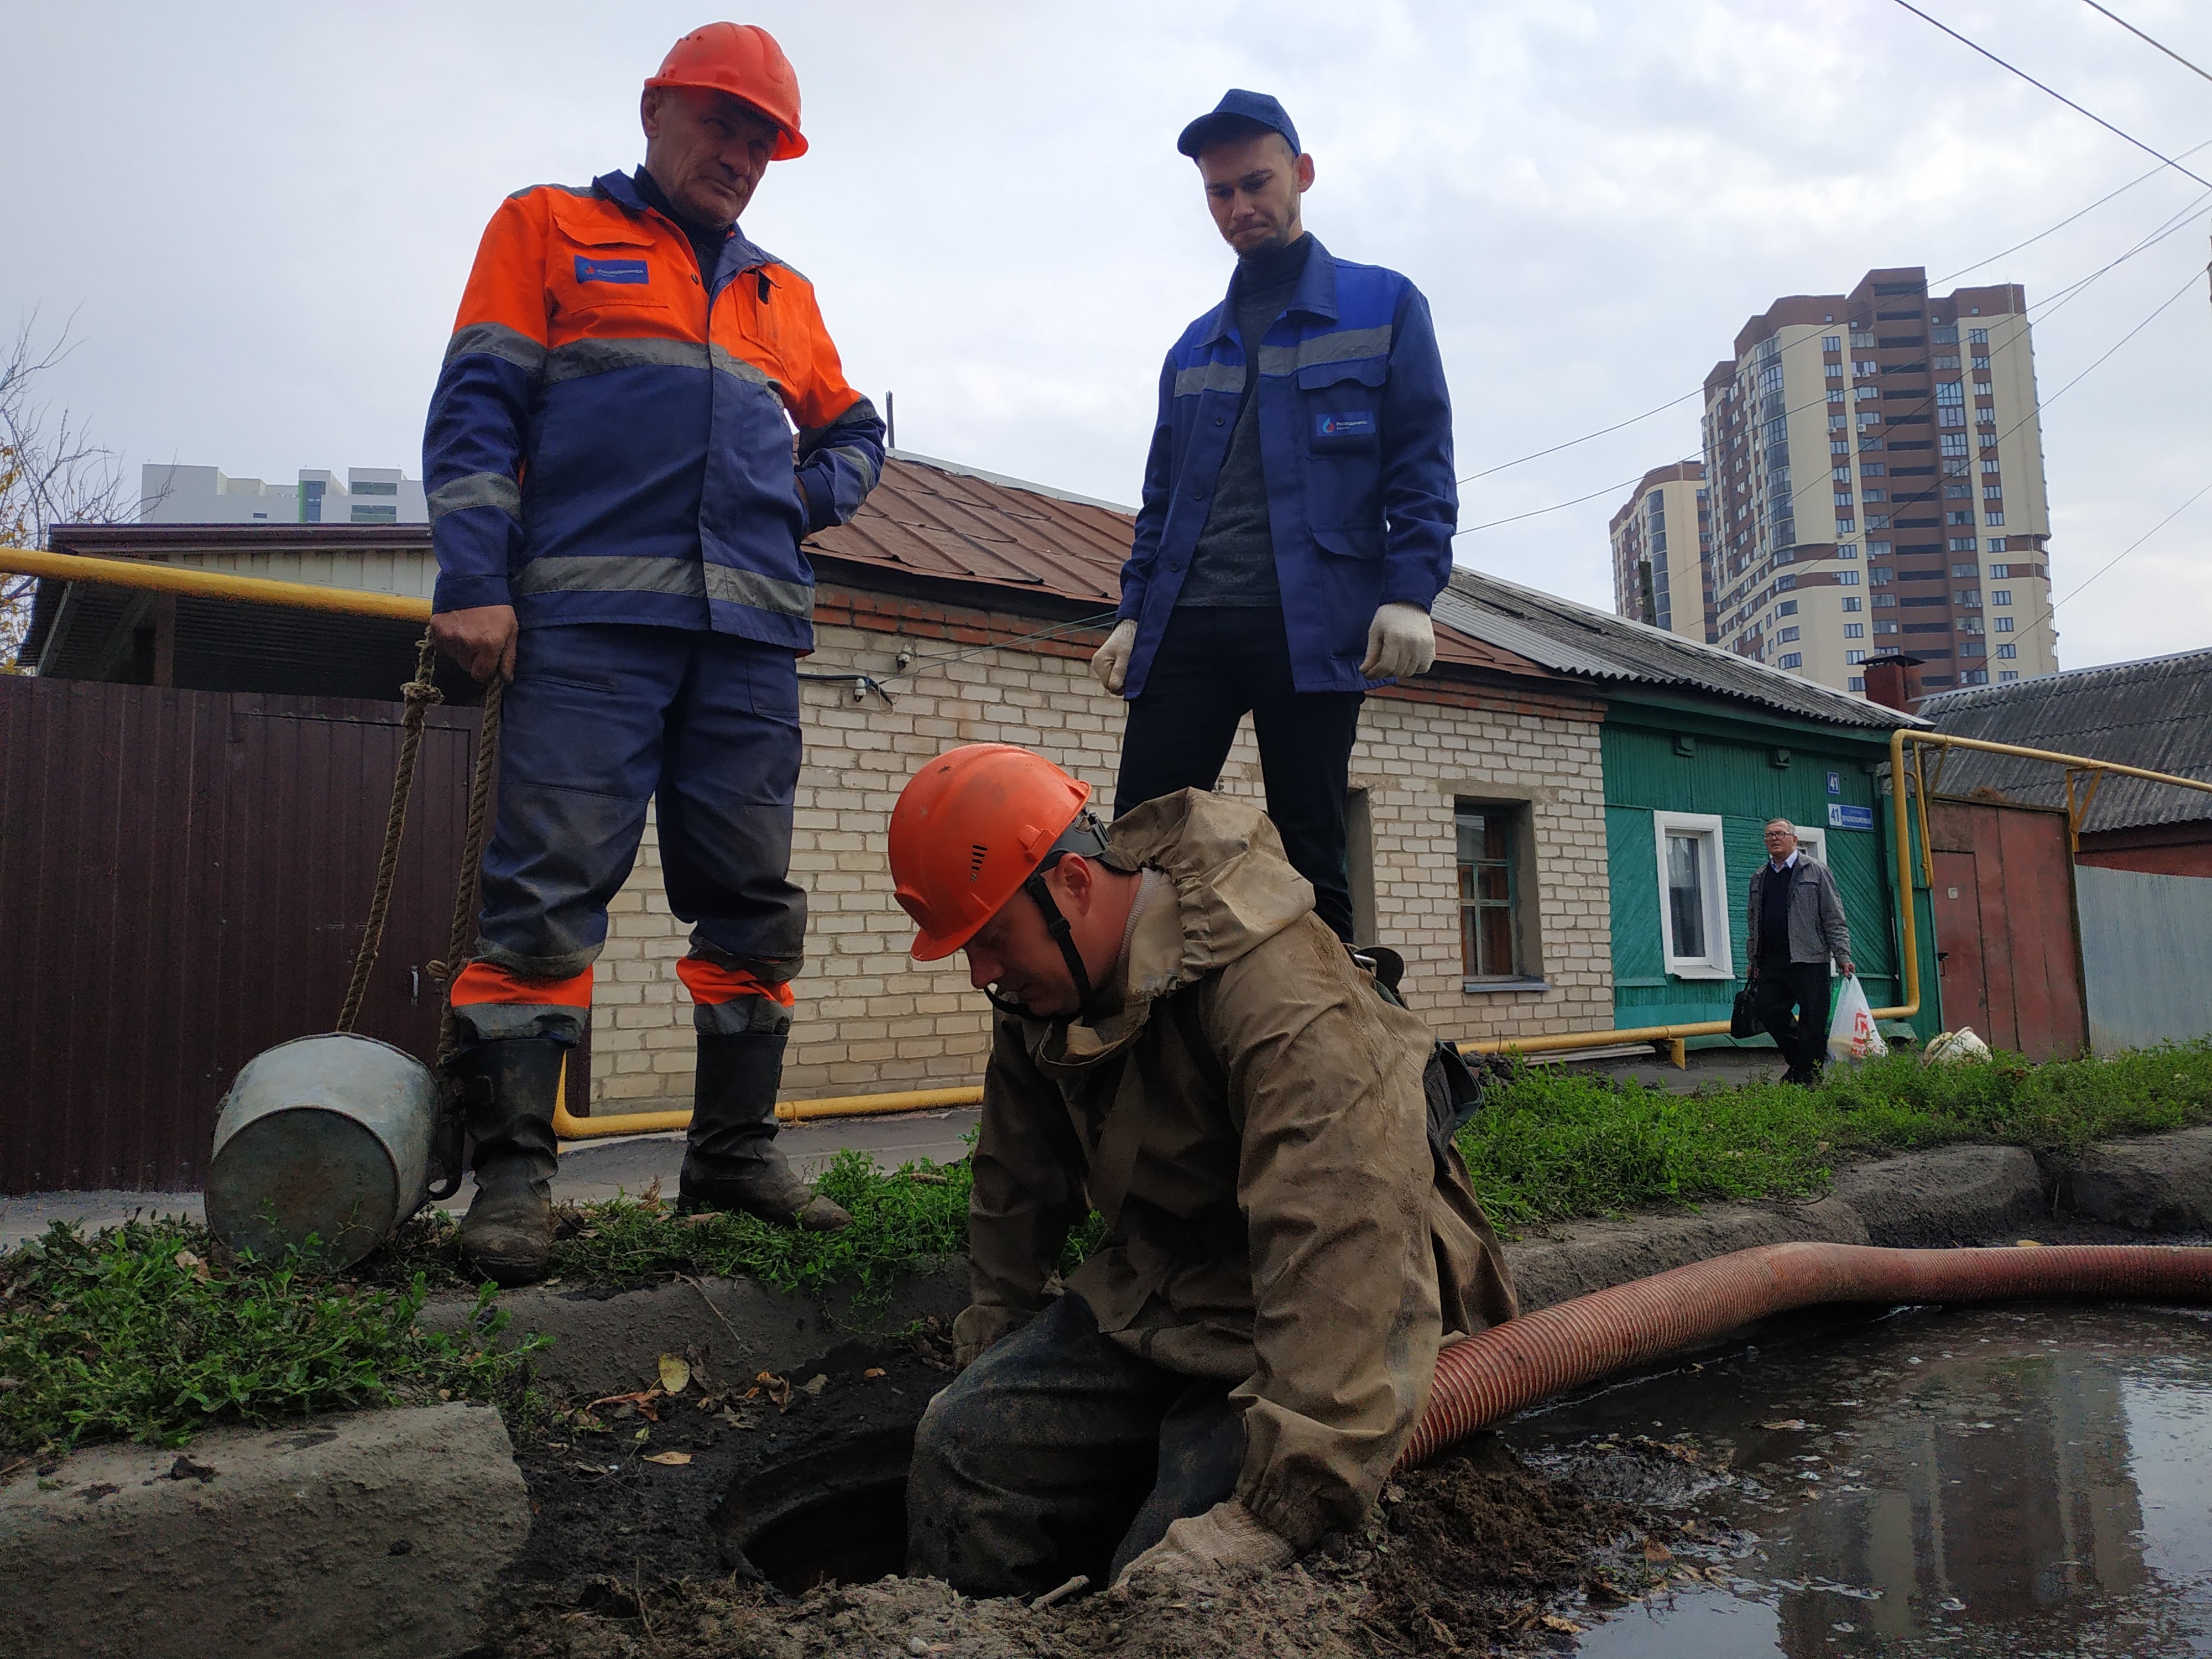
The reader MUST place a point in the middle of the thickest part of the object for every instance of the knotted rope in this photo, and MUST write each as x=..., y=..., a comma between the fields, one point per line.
x=419, y=693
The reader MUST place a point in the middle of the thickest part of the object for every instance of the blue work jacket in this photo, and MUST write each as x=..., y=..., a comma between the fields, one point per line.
x=610, y=439
x=1355, y=438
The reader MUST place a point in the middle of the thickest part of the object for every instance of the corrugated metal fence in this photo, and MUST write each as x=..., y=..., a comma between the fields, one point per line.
x=183, y=877
x=2146, y=955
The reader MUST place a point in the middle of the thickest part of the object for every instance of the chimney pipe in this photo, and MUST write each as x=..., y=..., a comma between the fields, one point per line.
x=1889, y=681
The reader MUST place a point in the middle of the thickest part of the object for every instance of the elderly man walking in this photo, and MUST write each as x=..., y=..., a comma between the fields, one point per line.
x=1796, y=926
x=1290, y=1233
x=618, y=503
x=1298, y=508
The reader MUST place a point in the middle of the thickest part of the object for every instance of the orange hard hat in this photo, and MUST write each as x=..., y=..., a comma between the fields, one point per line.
x=970, y=828
x=744, y=60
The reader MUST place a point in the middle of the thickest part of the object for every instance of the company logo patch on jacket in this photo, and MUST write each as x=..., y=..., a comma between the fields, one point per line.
x=610, y=271
x=1354, y=423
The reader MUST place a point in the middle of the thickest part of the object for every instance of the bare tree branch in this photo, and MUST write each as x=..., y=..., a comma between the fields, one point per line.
x=51, y=470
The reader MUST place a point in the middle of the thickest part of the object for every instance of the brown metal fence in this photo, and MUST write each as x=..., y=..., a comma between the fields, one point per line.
x=183, y=877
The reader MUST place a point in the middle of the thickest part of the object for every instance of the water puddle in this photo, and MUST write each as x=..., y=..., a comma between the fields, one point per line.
x=2014, y=1482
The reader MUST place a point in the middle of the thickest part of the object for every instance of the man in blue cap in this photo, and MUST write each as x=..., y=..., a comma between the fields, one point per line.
x=1298, y=508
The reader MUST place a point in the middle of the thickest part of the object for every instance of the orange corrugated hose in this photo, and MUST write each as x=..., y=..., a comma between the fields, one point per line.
x=1492, y=1375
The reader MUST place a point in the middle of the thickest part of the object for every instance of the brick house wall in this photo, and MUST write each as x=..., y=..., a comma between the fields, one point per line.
x=869, y=1018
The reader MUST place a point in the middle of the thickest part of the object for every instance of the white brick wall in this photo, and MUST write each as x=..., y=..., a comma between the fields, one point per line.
x=869, y=1018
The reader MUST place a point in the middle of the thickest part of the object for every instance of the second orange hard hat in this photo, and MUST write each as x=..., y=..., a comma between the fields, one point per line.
x=970, y=827
x=744, y=60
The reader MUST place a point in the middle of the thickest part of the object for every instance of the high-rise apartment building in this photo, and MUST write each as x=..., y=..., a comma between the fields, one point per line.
x=1661, y=539
x=1874, y=465
x=205, y=495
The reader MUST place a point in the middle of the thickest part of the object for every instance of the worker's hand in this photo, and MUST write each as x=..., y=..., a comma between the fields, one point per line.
x=480, y=639
x=1111, y=661
x=1401, y=641
x=1843, y=967
x=1226, y=1535
x=977, y=1328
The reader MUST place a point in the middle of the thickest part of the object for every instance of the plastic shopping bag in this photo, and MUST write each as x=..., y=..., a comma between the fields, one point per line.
x=1851, y=1034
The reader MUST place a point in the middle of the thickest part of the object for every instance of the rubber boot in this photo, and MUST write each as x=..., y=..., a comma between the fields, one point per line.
x=730, y=1162
x=508, y=1088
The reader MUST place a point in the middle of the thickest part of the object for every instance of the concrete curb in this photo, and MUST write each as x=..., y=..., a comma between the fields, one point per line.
x=375, y=1534
x=2160, y=1183
x=608, y=1344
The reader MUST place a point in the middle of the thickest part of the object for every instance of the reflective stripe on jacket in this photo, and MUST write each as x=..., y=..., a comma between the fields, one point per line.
x=607, y=442
x=1275, y=1217
x=1355, y=438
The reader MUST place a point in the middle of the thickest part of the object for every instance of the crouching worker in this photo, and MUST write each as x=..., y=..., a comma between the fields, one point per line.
x=1184, y=1046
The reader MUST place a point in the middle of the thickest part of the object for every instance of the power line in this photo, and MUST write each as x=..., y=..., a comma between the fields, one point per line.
x=1555, y=506
x=2146, y=40
x=1953, y=275
x=2053, y=92
x=1587, y=436
x=2045, y=402
x=2053, y=300
x=2117, y=556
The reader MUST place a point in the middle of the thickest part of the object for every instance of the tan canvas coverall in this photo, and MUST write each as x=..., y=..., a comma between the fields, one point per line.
x=1276, y=1218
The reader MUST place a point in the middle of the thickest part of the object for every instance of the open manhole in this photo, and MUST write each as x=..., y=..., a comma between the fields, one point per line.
x=835, y=1513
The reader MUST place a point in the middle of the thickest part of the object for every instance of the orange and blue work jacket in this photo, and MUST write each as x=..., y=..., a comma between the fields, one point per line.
x=609, y=440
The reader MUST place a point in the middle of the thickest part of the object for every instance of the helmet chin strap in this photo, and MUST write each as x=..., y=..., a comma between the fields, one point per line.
x=1086, y=837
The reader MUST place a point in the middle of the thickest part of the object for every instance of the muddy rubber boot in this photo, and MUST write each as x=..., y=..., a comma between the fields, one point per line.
x=507, y=1088
x=730, y=1162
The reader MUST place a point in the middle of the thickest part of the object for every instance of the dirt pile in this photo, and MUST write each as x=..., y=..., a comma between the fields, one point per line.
x=1473, y=1554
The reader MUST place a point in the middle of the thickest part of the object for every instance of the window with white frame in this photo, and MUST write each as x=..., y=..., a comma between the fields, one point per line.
x=1693, y=905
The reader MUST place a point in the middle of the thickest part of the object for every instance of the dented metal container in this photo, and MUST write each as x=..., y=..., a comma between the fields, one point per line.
x=323, y=1143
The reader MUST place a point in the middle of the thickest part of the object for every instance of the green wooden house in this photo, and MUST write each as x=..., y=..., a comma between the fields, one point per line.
x=1700, y=748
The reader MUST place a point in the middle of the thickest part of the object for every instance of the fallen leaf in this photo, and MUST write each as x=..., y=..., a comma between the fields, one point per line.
x=2029, y=1243
x=1785, y=1422
x=1656, y=1550
x=641, y=1434
x=1565, y=1626
x=673, y=1459
x=643, y=1401
x=777, y=1388
x=189, y=1263
x=701, y=1218
x=675, y=1373
x=584, y=1423
x=874, y=1372
x=815, y=1384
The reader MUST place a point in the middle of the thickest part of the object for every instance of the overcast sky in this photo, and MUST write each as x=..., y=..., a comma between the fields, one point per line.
x=260, y=218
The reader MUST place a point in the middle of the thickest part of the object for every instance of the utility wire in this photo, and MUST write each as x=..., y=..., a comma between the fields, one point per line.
x=2146, y=40
x=2013, y=69
x=1953, y=277
x=2117, y=556
x=2053, y=300
x=1538, y=513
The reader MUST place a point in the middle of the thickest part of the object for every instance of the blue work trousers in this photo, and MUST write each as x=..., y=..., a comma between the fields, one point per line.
x=603, y=718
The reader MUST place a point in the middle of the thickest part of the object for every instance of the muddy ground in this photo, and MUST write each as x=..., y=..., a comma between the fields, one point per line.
x=1473, y=1554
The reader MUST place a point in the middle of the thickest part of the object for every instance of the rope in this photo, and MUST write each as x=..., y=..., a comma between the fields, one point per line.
x=419, y=693
x=461, y=936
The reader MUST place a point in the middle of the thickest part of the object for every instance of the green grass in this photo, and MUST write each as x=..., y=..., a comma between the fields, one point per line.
x=123, y=1336
x=141, y=1333
x=1557, y=1146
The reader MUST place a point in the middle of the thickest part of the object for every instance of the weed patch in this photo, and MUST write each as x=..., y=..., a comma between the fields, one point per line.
x=142, y=1332
x=1551, y=1146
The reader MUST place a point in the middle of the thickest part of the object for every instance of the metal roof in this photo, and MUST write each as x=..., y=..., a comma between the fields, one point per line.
x=2155, y=714
x=1579, y=640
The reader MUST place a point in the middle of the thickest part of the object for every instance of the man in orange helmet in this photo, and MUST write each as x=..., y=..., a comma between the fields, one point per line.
x=1185, y=1047
x=617, y=505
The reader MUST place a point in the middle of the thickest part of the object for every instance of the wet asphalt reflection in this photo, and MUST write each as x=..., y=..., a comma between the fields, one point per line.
x=2015, y=1481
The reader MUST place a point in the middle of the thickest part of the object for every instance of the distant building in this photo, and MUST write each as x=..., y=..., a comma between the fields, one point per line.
x=1875, y=465
x=1661, y=539
x=205, y=495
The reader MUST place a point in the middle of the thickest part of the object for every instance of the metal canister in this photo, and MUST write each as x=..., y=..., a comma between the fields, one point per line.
x=323, y=1143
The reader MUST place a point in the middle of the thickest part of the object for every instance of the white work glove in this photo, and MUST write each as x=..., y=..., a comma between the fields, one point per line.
x=1226, y=1535
x=1401, y=641
x=1111, y=660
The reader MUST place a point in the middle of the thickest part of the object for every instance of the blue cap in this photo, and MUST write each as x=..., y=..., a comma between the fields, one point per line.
x=1237, y=109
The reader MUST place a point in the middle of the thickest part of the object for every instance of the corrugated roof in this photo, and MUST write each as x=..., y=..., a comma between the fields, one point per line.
x=1579, y=640
x=2156, y=714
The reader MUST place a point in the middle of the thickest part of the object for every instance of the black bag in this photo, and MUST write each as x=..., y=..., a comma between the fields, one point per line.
x=1744, y=1022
